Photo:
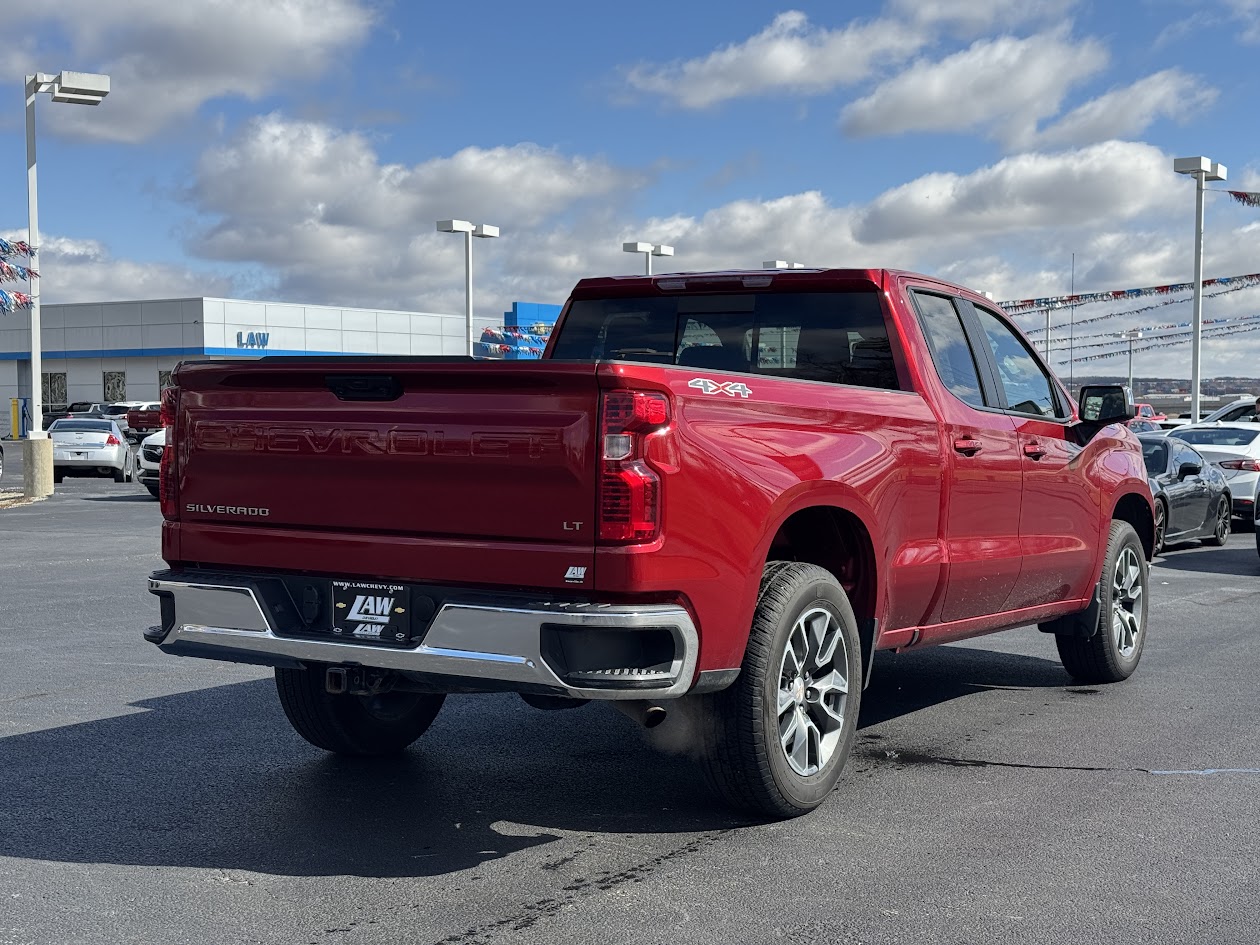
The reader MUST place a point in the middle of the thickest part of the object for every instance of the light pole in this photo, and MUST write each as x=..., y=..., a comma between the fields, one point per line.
x=1201, y=169
x=1130, y=337
x=648, y=250
x=781, y=264
x=77, y=88
x=482, y=231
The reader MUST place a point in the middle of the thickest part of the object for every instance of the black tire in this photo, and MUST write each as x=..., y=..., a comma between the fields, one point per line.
x=353, y=725
x=745, y=757
x=1161, y=526
x=153, y=490
x=58, y=476
x=1224, y=520
x=1113, y=652
x=120, y=475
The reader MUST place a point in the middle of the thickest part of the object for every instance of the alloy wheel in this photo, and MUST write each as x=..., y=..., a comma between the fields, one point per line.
x=1126, y=603
x=1222, y=522
x=813, y=691
x=1161, y=527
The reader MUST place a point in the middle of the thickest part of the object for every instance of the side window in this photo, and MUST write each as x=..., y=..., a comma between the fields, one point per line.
x=955, y=362
x=1028, y=387
x=1183, y=454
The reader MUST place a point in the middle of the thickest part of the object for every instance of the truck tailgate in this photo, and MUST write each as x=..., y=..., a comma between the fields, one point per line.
x=485, y=451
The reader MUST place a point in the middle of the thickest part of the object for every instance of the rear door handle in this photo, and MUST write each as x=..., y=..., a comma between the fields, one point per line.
x=967, y=447
x=1034, y=450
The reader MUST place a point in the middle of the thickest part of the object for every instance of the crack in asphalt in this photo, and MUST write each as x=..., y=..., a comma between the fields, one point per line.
x=907, y=758
x=530, y=914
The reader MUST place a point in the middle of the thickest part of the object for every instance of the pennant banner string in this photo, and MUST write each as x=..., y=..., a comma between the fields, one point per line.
x=1028, y=306
x=1215, y=333
x=14, y=248
x=1063, y=339
x=13, y=301
x=1168, y=334
x=1148, y=308
x=1248, y=198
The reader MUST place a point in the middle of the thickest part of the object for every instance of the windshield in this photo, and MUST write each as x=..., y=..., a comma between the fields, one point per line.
x=1218, y=436
x=81, y=426
x=838, y=337
x=1156, y=456
x=115, y=410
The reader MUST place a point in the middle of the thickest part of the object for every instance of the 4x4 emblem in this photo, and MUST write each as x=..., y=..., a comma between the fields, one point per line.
x=730, y=388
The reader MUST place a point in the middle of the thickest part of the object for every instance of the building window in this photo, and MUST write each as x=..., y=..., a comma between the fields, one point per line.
x=164, y=380
x=55, y=389
x=115, y=386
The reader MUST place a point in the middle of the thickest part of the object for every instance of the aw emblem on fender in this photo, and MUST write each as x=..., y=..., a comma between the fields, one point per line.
x=730, y=388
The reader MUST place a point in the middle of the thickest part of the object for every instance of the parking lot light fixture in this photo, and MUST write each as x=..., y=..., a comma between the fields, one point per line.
x=648, y=250
x=482, y=231
x=1130, y=337
x=1202, y=170
x=76, y=88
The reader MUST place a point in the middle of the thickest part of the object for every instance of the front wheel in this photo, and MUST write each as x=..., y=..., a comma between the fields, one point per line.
x=1220, y=530
x=381, y=724
x=1161, y=526
x=776, y=741
x=1112, y=653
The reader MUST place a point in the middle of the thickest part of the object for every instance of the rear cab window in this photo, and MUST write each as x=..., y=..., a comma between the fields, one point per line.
x=839, y=337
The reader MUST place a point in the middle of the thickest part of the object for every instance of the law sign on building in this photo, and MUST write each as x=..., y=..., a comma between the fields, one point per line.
x=252, y=339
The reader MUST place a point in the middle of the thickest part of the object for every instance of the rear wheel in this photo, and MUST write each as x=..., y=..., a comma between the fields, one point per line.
x=381, y=724
x=1113, y=652
x=1224, y=519
x=58, y=475
x=777, y=739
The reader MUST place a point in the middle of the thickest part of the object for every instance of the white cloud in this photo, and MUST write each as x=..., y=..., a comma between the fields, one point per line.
x=1247, y=12
x=979, y=16
x=1104, y=183
x=83, y=270
x=166, y=59
x=788, y=55
x=317, y=204
x=1127, y=112
x=1005, y=85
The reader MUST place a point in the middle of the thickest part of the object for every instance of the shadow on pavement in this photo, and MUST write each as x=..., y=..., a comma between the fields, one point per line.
x=216, y=778
x=902, y=683
x=1235, y=559
x=129, y=497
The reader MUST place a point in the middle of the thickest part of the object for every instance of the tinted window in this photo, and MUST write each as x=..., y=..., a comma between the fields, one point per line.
x=1218, y=436
x=955, y=363
x=1156, y=456
x=82, y=426
x=838, y=337
x=1183, y=454
x=1245, y=412
x=1028, y=387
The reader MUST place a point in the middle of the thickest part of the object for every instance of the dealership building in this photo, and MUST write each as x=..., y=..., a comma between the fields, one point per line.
x=114, y=351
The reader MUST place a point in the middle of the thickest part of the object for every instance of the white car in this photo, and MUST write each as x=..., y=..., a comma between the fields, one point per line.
x=150, y=462
x=1237, y=411
x=90, y=447
x=1234, y=448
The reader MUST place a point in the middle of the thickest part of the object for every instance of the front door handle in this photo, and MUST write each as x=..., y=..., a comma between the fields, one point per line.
x=967, y=447
x=1034, y=450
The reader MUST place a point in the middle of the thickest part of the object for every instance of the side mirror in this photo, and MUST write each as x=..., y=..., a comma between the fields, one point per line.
x=1103, y=404
x=1186, y=470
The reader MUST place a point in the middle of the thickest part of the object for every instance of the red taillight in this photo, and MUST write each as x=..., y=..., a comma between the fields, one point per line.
x=1249, y=465
x=629, y=488
x=112, y=440
x=168, y=476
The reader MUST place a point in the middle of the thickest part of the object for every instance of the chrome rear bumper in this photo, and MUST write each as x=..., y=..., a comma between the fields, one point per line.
x=468, y=642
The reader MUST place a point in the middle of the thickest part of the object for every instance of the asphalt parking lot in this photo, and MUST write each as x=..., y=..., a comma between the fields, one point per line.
x=145, y=798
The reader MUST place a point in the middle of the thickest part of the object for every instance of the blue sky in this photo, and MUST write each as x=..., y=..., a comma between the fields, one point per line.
x=303, y=150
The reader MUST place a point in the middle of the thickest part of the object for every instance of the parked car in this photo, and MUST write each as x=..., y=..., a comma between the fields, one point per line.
x=1147, y=412
x=149, y=462
x=740, y=486
x=1192, y=499
x=118, y=412
x=144, y=419
x=80, y=408
x=1234, y=448
x=1242, y=409
x=90, y=447
x=1144, y=426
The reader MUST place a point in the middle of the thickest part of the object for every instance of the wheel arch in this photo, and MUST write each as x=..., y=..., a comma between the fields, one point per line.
x=1138, y=511
x=837, y=539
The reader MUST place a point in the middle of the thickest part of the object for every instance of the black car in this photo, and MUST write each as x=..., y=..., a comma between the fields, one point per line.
x=1191, y=497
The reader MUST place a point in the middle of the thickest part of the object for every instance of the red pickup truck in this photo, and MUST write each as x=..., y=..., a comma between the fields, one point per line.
x=727, y=488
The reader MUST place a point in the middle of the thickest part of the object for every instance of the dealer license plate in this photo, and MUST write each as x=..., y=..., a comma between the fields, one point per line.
x=371, y=613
